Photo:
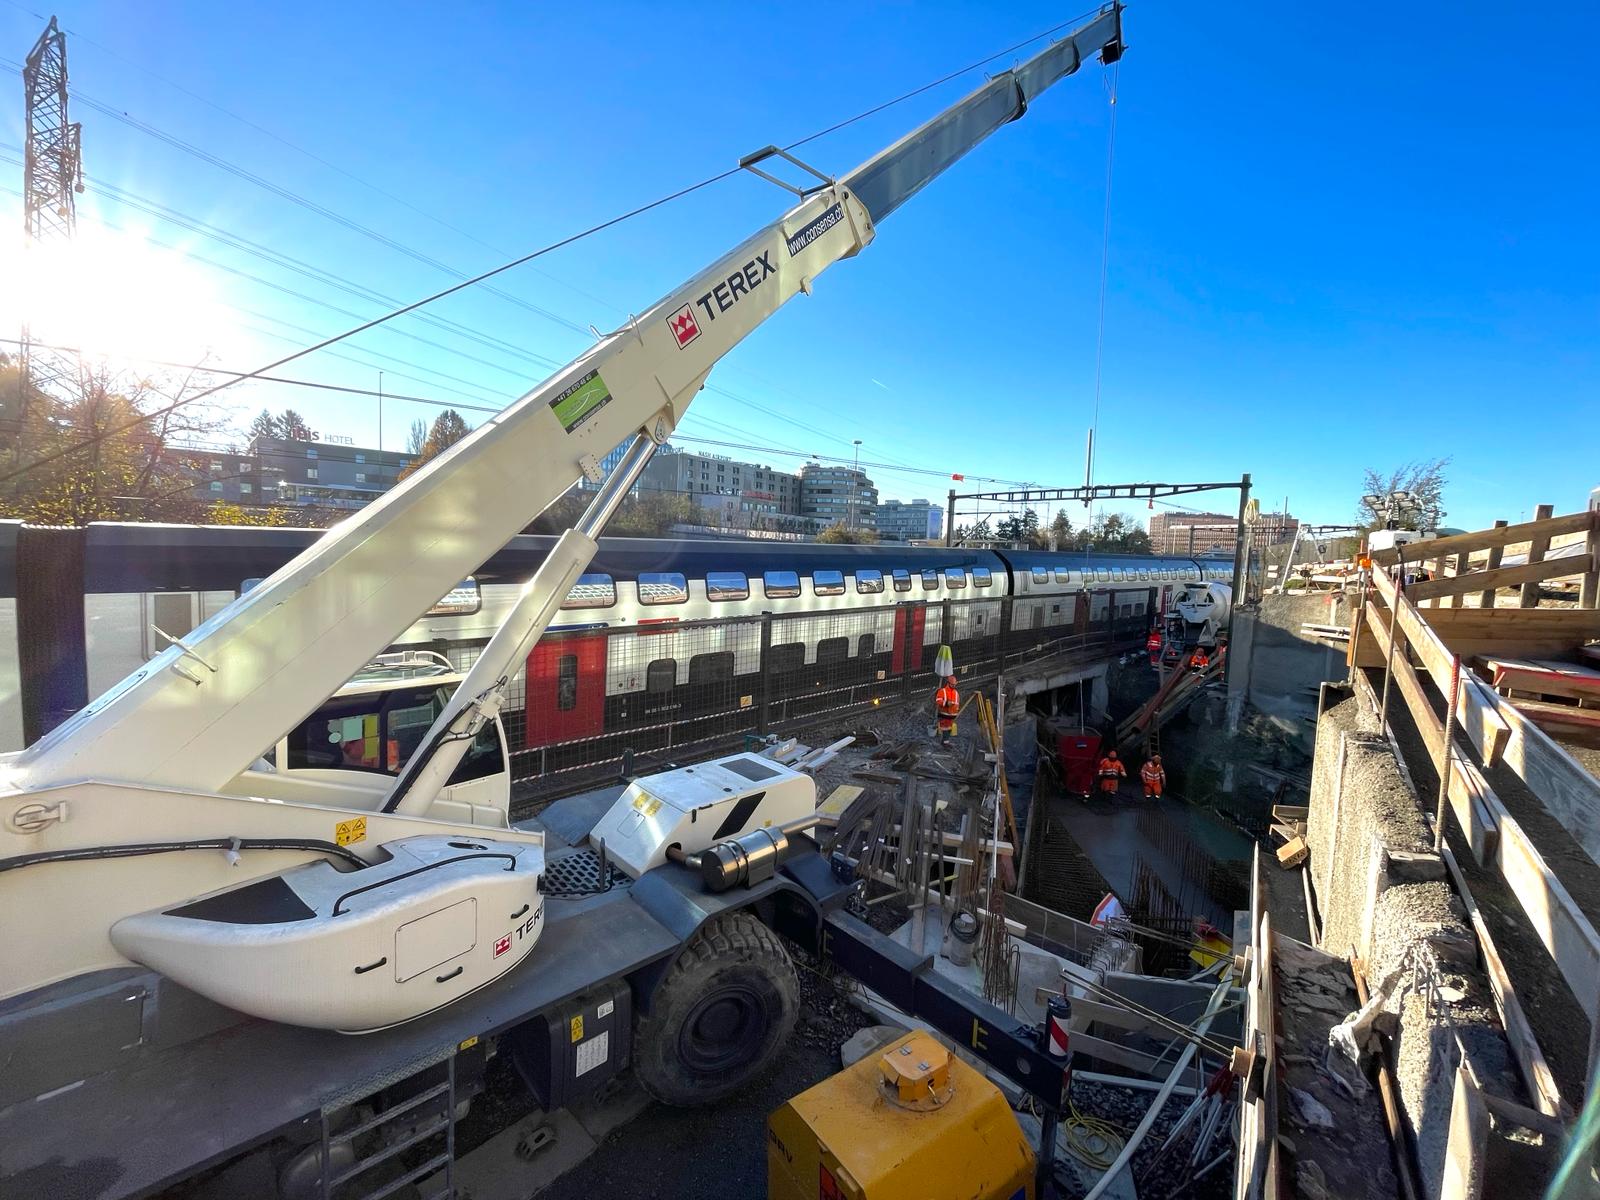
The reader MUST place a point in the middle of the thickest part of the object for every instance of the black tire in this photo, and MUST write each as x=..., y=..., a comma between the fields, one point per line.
x=719, y=1016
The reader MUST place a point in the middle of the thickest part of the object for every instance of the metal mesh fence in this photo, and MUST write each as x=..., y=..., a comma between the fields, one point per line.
x=590, y=696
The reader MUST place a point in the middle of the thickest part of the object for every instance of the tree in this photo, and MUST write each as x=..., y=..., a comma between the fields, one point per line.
x=265, y=425
x=448, y=429
x=838, y=534
x=1023, y=528
x=224, y=512
x=111, y=447
x=1425, y=479
x=1061, y=530
x=416, y=437
x=292, y=427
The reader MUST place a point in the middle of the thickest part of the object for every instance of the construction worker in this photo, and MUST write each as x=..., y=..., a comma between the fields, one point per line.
x=1111, y=772
x=1154, y=777
x=1153, y=641
x=1200, y=660
x=946, y=707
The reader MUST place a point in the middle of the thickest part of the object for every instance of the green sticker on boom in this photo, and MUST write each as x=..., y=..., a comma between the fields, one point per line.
x=581, y=401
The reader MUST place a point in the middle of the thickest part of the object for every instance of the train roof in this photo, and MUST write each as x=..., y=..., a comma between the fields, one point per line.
x=140, y=557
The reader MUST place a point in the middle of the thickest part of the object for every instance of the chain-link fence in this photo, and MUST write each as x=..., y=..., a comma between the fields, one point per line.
x=591, y=696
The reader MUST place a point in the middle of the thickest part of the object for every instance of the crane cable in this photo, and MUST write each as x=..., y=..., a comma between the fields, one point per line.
x=1105, y=267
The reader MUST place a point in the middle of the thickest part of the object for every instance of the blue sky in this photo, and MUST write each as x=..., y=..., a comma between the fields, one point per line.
x=1334, y=243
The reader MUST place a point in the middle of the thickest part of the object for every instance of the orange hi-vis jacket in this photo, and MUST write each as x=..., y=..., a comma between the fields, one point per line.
x=1153, y=773
x=947, y=701
x=1112, y=768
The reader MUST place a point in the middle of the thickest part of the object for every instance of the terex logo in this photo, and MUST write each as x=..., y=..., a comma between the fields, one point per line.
x=741, y=283
x=683, y=326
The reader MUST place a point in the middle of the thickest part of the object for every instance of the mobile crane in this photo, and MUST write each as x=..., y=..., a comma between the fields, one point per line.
x=155, y=891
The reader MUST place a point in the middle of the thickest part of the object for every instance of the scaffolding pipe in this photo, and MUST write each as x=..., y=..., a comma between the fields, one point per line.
x=1138, y=1136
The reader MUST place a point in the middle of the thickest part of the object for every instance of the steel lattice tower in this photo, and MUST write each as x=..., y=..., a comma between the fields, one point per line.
x=51, y=177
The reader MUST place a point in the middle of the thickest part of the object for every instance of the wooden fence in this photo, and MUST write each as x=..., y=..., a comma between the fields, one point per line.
x=1435, y=654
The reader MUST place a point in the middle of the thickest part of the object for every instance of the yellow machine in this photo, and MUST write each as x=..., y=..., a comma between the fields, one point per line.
x=910, y=1123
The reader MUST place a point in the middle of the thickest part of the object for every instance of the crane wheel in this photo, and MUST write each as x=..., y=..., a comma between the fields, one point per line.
x=719, y=1016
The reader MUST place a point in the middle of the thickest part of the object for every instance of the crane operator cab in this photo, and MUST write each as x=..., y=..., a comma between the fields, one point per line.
x=349, y=751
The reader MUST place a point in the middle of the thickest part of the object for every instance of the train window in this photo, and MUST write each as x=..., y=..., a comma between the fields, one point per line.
x=866, y=646
x=955, y=577
x=780, y=585
x=930, y=581
x=981, y=577
x=591, y=591
x=1144, y=572
x=1041, y=574
x=661, y=676
x=567, y=682
x=869, y=581
x=727, y=585
x=833, y=650
x=1063, y=575
x=662, y=587
x=902, y=580
x=790, y=656
x=1103, y=574
x=827, y=583
x=715, y=667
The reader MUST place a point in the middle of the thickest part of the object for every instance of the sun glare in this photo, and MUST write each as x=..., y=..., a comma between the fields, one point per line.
x=114, y=295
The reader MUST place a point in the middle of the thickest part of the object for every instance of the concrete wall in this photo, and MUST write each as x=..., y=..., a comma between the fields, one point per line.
x=1276, y=667
x=1381, y=890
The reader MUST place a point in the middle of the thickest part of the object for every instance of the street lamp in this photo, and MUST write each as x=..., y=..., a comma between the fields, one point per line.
x=854, y=478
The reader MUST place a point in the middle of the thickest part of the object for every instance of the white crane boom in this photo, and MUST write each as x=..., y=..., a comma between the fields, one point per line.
x=199, y=712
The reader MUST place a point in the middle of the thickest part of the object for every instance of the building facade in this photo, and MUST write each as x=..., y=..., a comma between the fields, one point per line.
x=756, y=489
x=1204, y=533
x=838, y=496
x=910, y=520
x=278, y=471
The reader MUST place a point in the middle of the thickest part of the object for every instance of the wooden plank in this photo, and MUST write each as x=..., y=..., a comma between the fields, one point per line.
x=1589, y=587
x=1554, y=914
x=1528, y=574
x=1580, y=624
x=1536, y=1074
x=1484, y=539
x=1536, y=551
x=1405, y=677
x=1568, y=792
x=1466, y=1149
x=1478, y=713
x=1473, y=814
x=1561, y=715
x=1571, y=680
x=1487, y=599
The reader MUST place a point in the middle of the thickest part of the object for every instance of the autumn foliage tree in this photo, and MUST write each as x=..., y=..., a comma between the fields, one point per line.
x=108, y=446
x=448, y=428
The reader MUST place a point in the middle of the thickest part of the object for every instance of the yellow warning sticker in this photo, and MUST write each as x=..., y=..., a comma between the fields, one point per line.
x=577, y=1028
x=746, y=701
x=347, y=833
x=646, y=804
x=469, y=1043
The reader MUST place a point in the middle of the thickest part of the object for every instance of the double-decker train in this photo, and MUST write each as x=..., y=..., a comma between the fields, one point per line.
x=660, y=630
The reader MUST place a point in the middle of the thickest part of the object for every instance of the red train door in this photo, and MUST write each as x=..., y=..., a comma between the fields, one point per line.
x=566, y=690
x=913, y=617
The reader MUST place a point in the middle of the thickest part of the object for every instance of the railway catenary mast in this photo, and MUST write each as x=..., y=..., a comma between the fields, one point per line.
x=147, y=761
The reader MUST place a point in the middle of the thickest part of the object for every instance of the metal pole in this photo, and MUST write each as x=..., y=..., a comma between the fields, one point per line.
x=1240, y=551
x=1444, y=754
x=950, y=519
x=1044, y=1167
x=380, y=430
x=1399, y=599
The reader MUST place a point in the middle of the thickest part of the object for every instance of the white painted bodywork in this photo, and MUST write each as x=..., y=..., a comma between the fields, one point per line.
x=439, y=921
x=690, y=808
